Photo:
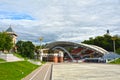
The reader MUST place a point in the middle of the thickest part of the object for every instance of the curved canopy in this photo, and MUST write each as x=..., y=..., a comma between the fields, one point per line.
x=66, y=44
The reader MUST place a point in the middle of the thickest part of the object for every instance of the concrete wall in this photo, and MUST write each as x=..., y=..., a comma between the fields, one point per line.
x=9, y=57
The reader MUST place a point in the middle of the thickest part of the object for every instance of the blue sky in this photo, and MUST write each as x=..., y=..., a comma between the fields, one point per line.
x=60, y=20
x=14, y=15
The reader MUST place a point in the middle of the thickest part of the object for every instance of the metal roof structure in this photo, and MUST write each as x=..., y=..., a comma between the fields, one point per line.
x=97, y=48
x=68, y=44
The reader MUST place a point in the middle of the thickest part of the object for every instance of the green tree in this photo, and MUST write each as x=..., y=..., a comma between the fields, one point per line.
x=26, y=49
x=105, y=42
x=118, y=50
x=5, y=41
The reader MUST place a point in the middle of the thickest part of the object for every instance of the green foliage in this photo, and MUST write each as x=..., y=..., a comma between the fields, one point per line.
x=17, y=55
x=105, y=42
x=118, y=50
x=5, y=41
x=26, y=49
x=43, y=62
x=116, y=61
x=1, y=60
x=40, y=47
x=15, y=70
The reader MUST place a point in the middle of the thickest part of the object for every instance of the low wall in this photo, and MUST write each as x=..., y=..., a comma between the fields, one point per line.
x=3, y=56
x=9, y=57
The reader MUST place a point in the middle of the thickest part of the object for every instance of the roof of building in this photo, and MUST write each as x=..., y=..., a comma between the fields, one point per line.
x=9, y=29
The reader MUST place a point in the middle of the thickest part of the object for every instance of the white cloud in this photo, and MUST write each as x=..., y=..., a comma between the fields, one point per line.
x=72, y=20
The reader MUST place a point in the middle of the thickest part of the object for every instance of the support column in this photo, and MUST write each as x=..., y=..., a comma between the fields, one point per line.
x=60, y=56
x=55, y=58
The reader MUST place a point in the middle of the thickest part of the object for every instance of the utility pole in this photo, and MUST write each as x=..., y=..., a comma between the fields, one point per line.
x=114, y=38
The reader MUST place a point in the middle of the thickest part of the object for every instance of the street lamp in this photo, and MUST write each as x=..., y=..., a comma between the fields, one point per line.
x=41, y=54
x=41, y=39
x=114, y=38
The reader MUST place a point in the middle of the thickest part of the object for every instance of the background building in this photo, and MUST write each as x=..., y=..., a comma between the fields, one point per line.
x=13, y=34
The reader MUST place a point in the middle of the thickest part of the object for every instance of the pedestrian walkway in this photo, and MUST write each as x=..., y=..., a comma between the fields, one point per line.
x=41, y=73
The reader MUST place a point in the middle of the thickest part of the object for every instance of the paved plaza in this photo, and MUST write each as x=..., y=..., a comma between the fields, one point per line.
x=85, y=71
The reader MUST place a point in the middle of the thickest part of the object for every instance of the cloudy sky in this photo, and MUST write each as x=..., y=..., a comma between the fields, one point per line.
x=60, y=20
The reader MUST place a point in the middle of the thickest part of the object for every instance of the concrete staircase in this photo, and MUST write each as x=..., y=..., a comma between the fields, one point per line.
x=9, y=57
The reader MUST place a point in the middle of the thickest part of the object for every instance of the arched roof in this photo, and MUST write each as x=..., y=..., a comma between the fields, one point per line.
x=65, y=43
x=99, y=49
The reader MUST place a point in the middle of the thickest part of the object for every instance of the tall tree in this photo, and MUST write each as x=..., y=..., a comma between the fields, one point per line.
x=26, y=49
x=5, y=41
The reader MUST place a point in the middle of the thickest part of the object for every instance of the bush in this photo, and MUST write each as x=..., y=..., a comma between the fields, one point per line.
x=117, y=61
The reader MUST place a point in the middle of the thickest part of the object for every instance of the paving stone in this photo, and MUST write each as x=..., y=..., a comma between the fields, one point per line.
x=85, y=71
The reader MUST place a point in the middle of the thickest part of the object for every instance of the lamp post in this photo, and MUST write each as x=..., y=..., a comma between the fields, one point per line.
x=114, y=38
x=41, y=53
x=41, y=39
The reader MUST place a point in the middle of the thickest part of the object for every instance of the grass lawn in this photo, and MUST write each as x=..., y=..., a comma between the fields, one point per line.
x=1, y=60
x=17, y=55
x=15, y=70
x=116, y=61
